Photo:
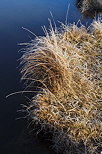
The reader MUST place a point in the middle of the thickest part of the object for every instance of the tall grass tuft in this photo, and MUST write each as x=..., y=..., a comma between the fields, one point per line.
x=66, y=63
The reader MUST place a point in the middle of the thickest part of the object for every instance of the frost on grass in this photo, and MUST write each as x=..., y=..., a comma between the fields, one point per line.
x=66, y=63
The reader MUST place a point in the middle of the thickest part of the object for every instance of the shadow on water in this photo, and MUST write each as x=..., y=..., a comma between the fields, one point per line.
x=14, y=134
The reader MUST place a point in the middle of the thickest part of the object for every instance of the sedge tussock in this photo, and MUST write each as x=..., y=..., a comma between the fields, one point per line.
x=89, y=8
x=67, y=64
x=89, y=5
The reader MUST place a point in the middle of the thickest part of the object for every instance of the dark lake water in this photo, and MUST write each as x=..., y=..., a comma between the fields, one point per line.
x=31, y=14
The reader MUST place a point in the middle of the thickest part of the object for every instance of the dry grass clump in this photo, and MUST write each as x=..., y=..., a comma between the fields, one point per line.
x=88, y=5
x=89, y=8
x=67, y=64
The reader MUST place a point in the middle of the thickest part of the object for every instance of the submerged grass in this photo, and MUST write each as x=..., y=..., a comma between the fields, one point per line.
x=67, y=64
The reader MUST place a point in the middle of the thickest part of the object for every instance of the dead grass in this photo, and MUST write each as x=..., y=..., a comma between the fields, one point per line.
x=90, y=8
x=88, y=5
x=67, y=65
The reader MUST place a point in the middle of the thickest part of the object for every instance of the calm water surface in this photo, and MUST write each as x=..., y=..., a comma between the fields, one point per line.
x=31, y=14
